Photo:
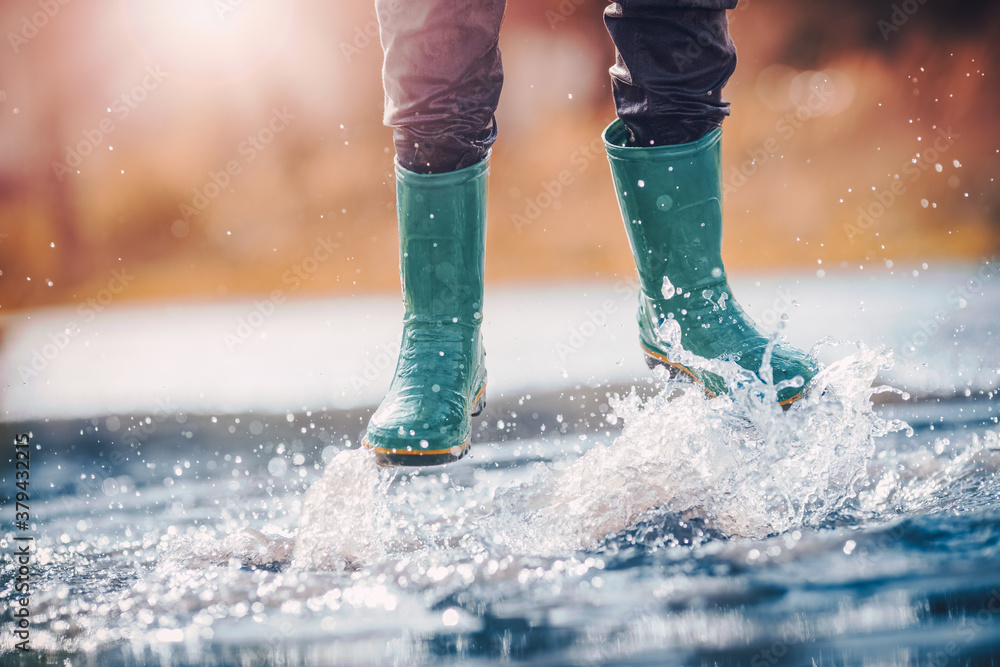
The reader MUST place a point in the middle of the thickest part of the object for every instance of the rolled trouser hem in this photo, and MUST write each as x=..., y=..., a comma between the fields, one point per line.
x=669, y=130
x=673, y=60
x=442, y=75
x=447, y=179
x=616, y=137
x=441, y=153
x=443, y=166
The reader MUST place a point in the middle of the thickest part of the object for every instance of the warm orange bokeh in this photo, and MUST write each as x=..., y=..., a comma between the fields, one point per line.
x=264, y=120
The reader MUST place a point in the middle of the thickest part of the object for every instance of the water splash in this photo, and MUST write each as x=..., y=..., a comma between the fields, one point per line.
x=339, y=525
x=945, y=477
x=736, y=462
x=243, y=547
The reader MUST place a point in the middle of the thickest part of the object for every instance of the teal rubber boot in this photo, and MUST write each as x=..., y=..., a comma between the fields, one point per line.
x=440, y=378
x=671, y=202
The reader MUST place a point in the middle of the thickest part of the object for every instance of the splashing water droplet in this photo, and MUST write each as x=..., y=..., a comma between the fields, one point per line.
x=668, y=289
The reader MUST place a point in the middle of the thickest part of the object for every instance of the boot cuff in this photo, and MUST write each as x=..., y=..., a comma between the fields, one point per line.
x=616, y=138
x=445, y=180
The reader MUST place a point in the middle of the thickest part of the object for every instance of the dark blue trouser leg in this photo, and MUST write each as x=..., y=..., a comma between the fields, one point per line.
x=442, y=77
x=442, y=74
x=673, y=58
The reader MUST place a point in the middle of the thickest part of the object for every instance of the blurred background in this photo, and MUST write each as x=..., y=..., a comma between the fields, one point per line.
x=205, y=149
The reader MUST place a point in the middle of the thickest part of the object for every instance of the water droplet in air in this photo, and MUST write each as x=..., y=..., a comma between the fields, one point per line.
x=277, y=466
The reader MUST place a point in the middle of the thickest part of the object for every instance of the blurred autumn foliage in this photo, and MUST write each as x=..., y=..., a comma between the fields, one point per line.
x=202, y=148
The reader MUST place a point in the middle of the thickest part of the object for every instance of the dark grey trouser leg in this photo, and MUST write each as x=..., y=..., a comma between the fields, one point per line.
x=442, y=76
x=673, y=58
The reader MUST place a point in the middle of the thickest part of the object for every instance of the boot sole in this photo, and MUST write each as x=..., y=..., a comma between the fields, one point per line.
x=387, y=457
x=654, y=359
